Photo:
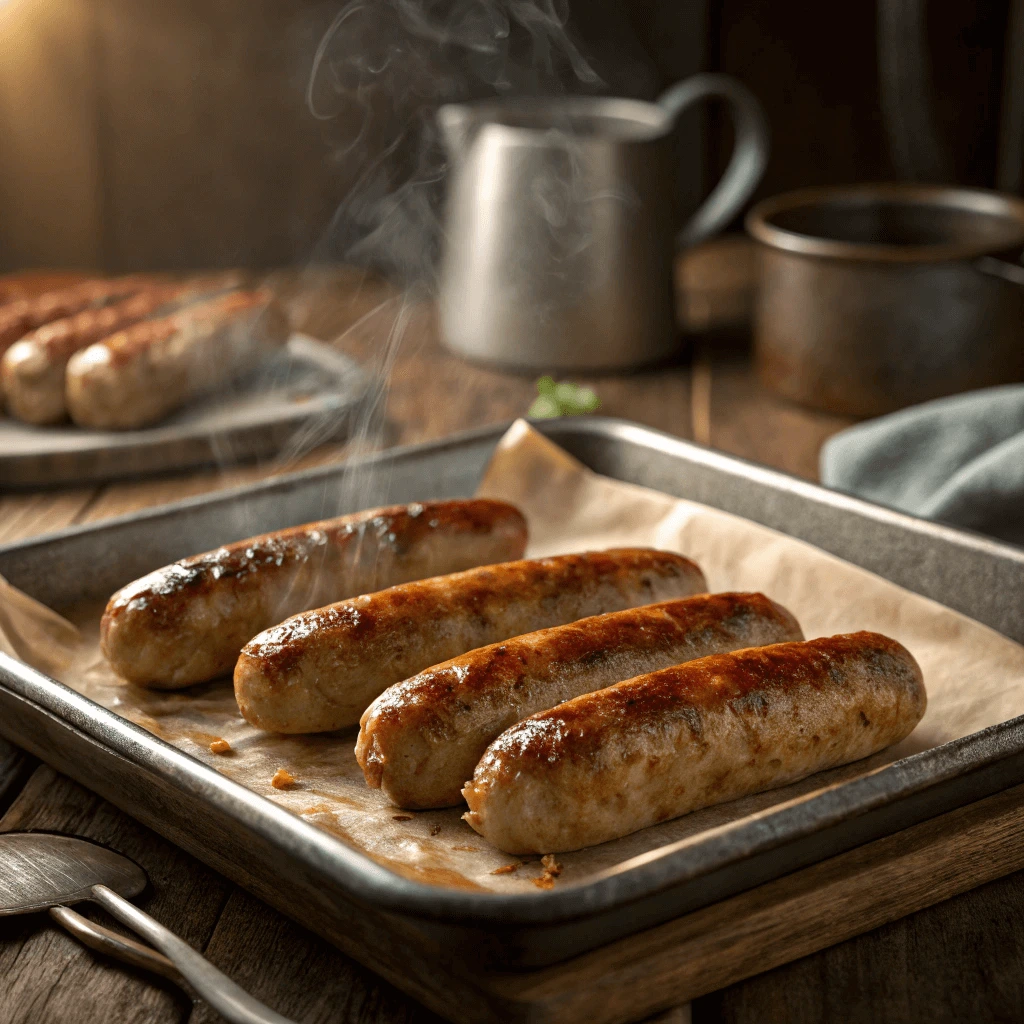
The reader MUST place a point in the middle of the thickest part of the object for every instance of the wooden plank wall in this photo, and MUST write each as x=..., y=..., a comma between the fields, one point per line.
x=49, y=159
x=141, y=134
x=815, y=68
x=225, y=163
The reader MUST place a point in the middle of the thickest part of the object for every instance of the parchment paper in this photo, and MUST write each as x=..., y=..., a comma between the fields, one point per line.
x=974, y=676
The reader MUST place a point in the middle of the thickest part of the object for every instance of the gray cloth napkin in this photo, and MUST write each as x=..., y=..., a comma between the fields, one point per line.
x=959, y=460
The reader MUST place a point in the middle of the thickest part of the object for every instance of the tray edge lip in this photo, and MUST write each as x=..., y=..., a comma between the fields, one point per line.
x=227, y=495
x=716, y=459
x=599, y=426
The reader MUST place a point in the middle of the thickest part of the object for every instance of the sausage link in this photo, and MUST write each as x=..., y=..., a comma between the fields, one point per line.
x=658, y=746
x=137, y=377
x=318, y=671
x=421, y=739
x=32, y=370
x=22, y=315
x=187, y=622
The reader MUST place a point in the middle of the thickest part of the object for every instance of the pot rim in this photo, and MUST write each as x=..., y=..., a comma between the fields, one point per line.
x=978, y=200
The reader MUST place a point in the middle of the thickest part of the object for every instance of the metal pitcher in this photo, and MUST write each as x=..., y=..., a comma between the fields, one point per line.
x=562, y=224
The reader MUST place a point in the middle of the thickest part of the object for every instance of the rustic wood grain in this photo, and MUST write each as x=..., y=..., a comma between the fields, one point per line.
x=49, y=156
x=815, y=70
x=798, y=914
x=15, y=768
x=48, y=977
x=233, y=168
x=134, y=495
x=434, y=393
x=957, y=961
x=31, y=514
x=742, y=417
x=298, y=973
x=731, y=410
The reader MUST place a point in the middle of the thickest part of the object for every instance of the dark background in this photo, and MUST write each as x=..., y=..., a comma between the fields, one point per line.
x=172, y=133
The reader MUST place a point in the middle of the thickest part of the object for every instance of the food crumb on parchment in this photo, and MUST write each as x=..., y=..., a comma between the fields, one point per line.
x=220, y=746
x=435, y=830
x=283, y=779
x=552, y=869
x=467, y=849
x=401, y=817
x=507, y=869
x=550, y=865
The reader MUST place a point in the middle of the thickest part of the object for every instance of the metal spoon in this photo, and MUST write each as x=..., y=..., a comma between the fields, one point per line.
x=110, y=943
x=47, y=871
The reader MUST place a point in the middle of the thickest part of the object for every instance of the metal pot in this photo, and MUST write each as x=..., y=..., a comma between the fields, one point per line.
x=875, y=297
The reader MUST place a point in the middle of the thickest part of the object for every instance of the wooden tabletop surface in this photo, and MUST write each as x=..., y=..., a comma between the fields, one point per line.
x=956, y=960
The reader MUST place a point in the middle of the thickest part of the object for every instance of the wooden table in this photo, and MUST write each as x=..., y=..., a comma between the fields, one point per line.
x=958, y=959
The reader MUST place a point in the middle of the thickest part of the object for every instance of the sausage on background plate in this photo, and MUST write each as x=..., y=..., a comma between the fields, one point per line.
x=319, y=670
x=22, y=315
x=186, y=622
x=32, y=369
x=658, y=746
x=138, y=376
x=421, y=739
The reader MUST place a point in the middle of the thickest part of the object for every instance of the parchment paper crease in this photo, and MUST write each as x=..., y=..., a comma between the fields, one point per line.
x=973, y=674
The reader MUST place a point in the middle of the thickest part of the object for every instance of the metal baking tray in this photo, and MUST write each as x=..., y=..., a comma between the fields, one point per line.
x=373, y=913
x=304, y=395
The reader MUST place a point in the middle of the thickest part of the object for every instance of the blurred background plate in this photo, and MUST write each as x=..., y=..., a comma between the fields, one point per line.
x=304, y=397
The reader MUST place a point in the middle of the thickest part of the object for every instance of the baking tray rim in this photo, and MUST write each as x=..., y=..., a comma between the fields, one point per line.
x=369, y=882
x=597, y=426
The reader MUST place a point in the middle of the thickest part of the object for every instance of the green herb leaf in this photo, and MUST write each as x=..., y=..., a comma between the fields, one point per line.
x=546, y=386
x=562, y=399
x=544, y=408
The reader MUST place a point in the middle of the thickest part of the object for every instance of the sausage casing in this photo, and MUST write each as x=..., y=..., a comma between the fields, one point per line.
x=22, y=315
x=421, y=739
x=318, y=671
x=32, y=370
x=187, y=622
x=661, y=745
x=139, y=375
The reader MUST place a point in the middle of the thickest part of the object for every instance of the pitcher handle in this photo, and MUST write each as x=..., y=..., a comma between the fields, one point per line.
x=749, y=154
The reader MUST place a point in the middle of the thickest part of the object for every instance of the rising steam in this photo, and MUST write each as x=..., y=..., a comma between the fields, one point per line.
x=381, y=71
x=379, y=74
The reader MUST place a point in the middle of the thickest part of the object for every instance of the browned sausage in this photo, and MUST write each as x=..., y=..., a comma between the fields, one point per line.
x=188, y=621
x=22, y=315
x=319, y=670
x=138, y=376
x=652, y=748
x=421, y=739
x=32, y=369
